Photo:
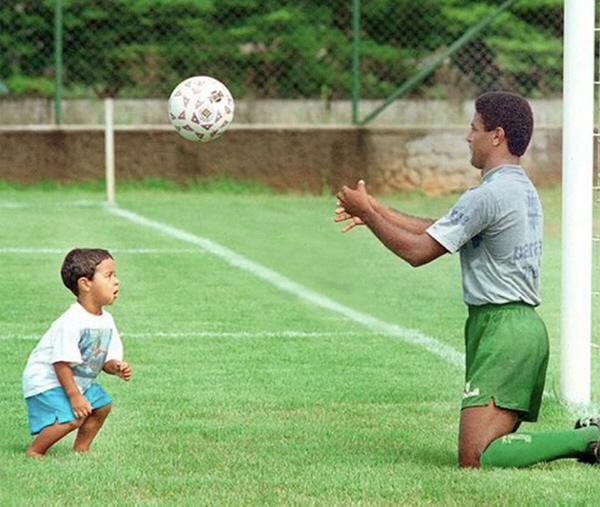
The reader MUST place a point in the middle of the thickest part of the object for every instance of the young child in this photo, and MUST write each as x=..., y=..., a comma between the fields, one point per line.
x=59, y=380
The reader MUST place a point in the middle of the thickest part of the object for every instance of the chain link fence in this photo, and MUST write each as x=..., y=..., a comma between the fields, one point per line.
x=279, y=49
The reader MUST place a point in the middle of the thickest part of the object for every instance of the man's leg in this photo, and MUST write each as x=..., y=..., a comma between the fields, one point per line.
x=90, y=428
x=479, y=426
x=487, y=439
x=50, y=435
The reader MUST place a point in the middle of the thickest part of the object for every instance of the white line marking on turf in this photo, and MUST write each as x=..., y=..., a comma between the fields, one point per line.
x=209, y=334
x=411, y=336
x=82, y=203
x=241, y=334
x=58, y=251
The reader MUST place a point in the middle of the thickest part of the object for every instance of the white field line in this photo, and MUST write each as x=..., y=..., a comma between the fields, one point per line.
x=241, y=334
x=410, y=336
x=83, y=203
x=209, y=334
x=135, y=251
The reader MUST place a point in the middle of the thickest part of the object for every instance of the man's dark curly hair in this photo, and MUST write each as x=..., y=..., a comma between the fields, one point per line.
x=511, y=112
x=81, y=262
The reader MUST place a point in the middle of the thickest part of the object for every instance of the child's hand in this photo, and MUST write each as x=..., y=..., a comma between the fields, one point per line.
x=118, y=368
x=123, y=371
x=81, y=406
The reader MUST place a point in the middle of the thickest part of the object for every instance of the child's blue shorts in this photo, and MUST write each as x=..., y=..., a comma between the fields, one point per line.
x=46, y=408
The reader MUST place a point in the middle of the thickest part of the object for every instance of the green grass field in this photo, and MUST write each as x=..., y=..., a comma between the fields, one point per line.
x=276, y=361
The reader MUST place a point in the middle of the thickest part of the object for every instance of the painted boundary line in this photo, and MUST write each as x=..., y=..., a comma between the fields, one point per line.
x=134, y=251
x=81, y=203
x=234, y=259
x=208, y=334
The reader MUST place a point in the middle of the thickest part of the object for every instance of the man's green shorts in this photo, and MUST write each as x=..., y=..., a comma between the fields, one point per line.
x=507, y=358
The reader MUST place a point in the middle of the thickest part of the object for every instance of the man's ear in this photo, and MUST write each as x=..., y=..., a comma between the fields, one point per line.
x=499, y=136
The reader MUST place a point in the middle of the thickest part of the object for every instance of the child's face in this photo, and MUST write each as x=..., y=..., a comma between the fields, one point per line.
x=104, y=288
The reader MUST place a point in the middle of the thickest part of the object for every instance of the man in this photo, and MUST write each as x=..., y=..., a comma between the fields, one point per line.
x=497, y=227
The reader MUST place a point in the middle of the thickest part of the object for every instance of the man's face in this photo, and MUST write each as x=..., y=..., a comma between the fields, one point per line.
x=480, y=142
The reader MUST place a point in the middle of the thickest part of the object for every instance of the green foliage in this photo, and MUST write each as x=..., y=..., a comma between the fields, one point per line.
x=20, y=85
x=25, y=39
x=278, y=48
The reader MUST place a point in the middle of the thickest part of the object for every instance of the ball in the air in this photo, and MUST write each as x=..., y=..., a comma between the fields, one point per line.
x=201, y=108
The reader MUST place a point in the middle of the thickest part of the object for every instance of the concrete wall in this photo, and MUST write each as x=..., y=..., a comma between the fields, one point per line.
x=303, y=158
x=400, y=113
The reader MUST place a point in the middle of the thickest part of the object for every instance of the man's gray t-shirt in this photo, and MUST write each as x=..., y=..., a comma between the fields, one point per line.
x=498, y=228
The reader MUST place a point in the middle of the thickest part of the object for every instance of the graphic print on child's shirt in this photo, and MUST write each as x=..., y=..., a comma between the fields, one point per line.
x=93, y=345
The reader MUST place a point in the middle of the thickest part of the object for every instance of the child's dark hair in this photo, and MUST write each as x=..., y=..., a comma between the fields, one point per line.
x=511, y=112
x=81, y=262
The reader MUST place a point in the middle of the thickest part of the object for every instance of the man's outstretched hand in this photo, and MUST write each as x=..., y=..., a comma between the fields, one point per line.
x=351, y=205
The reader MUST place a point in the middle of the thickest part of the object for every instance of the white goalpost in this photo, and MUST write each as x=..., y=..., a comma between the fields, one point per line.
x=577, y=201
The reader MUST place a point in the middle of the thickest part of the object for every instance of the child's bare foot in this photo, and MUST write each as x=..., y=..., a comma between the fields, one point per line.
x=33, y=454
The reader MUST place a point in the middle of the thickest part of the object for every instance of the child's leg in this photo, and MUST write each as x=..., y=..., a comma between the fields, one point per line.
x=90, y=428
x=50, y=435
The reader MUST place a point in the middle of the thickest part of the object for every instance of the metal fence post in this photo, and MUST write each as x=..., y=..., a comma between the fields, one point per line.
x=58, y=28
x=469, y=35
x=355, y=60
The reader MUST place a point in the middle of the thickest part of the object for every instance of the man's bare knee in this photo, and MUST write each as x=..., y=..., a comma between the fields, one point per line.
x=479, y=427
x=469, y=451
x=468, y=459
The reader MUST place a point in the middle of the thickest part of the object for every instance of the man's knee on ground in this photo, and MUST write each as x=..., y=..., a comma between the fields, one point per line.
x=469, y=457
x=479, y=427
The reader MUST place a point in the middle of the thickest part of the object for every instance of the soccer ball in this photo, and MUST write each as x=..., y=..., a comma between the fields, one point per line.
x=201, y=108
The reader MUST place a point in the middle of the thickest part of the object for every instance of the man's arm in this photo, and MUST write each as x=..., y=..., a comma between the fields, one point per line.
x=416, y=248
x=402, y=234
x=411, y=223
x=416, y=225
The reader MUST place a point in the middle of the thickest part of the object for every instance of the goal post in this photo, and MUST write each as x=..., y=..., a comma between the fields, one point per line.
x=577, y=201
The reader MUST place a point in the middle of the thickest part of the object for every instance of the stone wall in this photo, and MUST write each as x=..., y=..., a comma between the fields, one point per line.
x=305, y=158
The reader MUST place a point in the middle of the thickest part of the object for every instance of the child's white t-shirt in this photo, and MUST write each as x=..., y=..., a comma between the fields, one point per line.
x=78, y=337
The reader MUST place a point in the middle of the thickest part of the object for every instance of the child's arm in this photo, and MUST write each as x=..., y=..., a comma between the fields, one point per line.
x=118, y=368
x=79, y=403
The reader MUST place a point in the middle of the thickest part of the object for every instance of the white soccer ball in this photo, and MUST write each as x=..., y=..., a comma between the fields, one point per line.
x=201, y=108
